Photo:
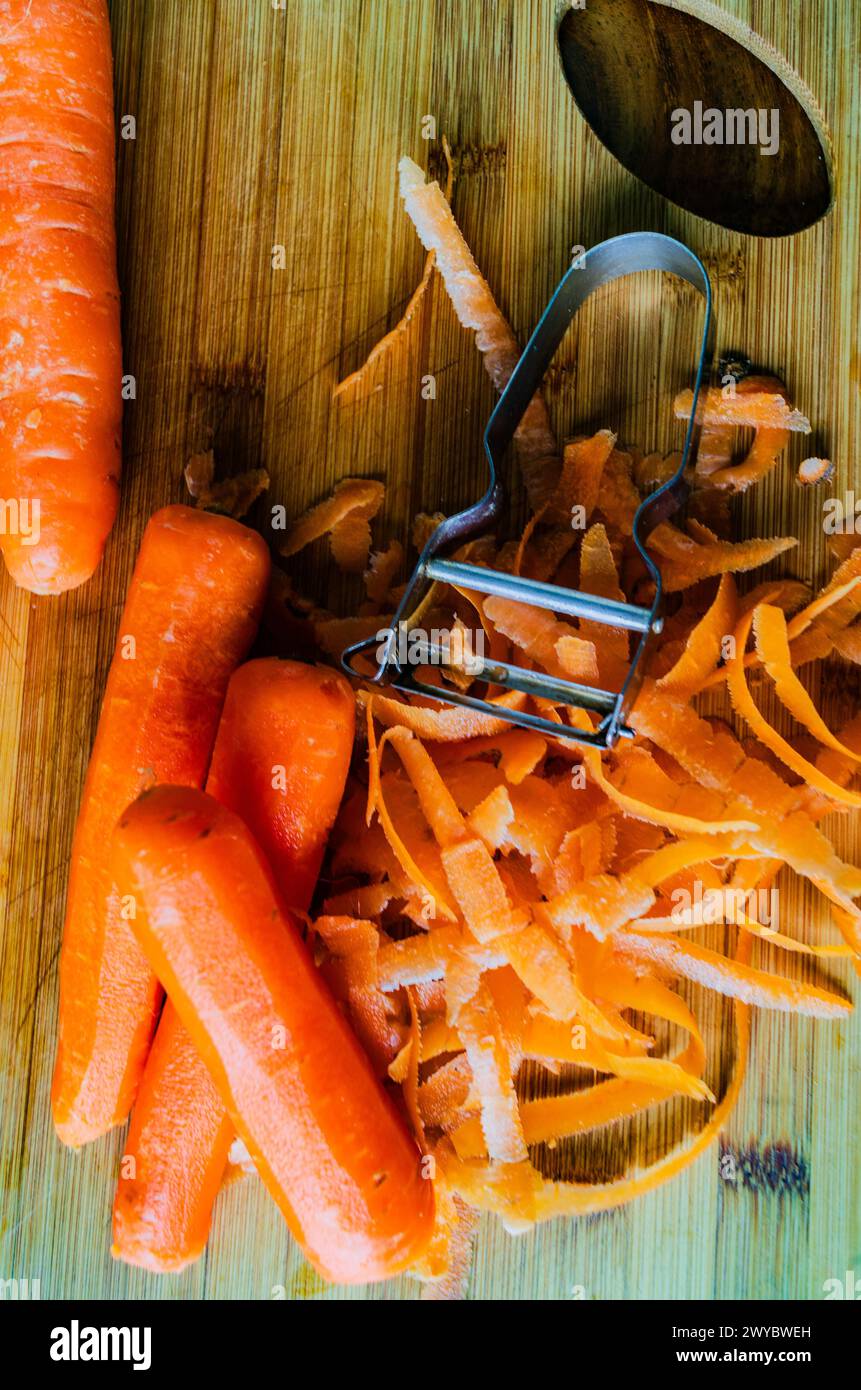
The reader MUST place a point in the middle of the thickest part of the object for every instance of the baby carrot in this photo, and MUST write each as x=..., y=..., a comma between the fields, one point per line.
x=191, y=614
x=322, y=1132
x=60, y=357
x=280, y=761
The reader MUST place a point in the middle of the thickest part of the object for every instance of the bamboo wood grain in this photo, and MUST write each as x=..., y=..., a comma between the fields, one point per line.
x=260, y=128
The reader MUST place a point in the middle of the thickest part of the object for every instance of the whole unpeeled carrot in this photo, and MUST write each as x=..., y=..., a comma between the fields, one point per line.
x=322, y=1132
x=60, y=357
x=280, y=761
x=191, y=614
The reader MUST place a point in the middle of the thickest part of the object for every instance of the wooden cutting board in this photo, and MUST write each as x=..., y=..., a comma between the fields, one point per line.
x=259, y=126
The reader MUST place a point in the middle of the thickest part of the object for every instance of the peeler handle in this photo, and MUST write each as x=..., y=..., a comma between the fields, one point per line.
x=610, y=260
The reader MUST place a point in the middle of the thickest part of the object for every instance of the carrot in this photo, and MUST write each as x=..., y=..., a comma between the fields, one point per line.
x=322, y=1132
x=60, y=359
x=190, y=616
x=174, y=1157
x=280, y=762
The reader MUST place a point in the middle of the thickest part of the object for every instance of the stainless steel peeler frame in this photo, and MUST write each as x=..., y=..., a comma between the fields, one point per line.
x=609, y=260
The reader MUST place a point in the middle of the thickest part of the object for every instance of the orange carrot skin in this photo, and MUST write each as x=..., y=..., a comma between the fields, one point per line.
x=179, y=1138
x=191, y=614
x=60, y=353
x=280, y=760
x=323, y=1134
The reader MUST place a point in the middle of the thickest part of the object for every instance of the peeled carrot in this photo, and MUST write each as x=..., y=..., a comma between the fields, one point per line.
x=191, y=614
x=322, y=1132
x=174, y=1157
x=280, y=761
x=60, y=357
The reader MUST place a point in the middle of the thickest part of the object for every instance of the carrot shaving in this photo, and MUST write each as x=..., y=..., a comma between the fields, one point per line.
x=602, y=904
x=618, y=495
x=599, y=576
x=535, y=631
x=578, y=660
x=437, y=1037
x=475, y=884
x=445, y=1265
x=848, y=644
x=234, y=496
x=419, y=959
x=520, y=754
x=359, y=381
x=684, y=562
x=840, y=600
x=411, y=1076
x=446, y=1095
x=377, y=805
x=522, y=545
x=580, y=481
x=382, y=568
x=523, y=1196
x=355, y=945
x=744, y=704
x=476, y=308
x=814, y=470
x=472, y=876
x=714, y=457
x=492, y=817
x=726, y=977
x=822, y=637
x=764, y=452
x=345, y=517
x=437, y=803
x=481, y=1033
x=766, y=408
x=559, y=1117
x=672, y=820
x=845, y=597
x=790, y=943
x=703, y=649
x=772, y=647
x=715, y=448
x=446, y=725
x=366, y=902
x=802, y=846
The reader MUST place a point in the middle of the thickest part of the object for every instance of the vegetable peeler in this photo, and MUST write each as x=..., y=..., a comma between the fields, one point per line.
x=609, y=260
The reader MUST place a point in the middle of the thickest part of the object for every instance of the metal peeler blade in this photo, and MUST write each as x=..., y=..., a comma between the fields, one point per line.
x=609, y=260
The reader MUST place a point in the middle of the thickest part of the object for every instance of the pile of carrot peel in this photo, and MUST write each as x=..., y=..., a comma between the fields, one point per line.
x=503, y=921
